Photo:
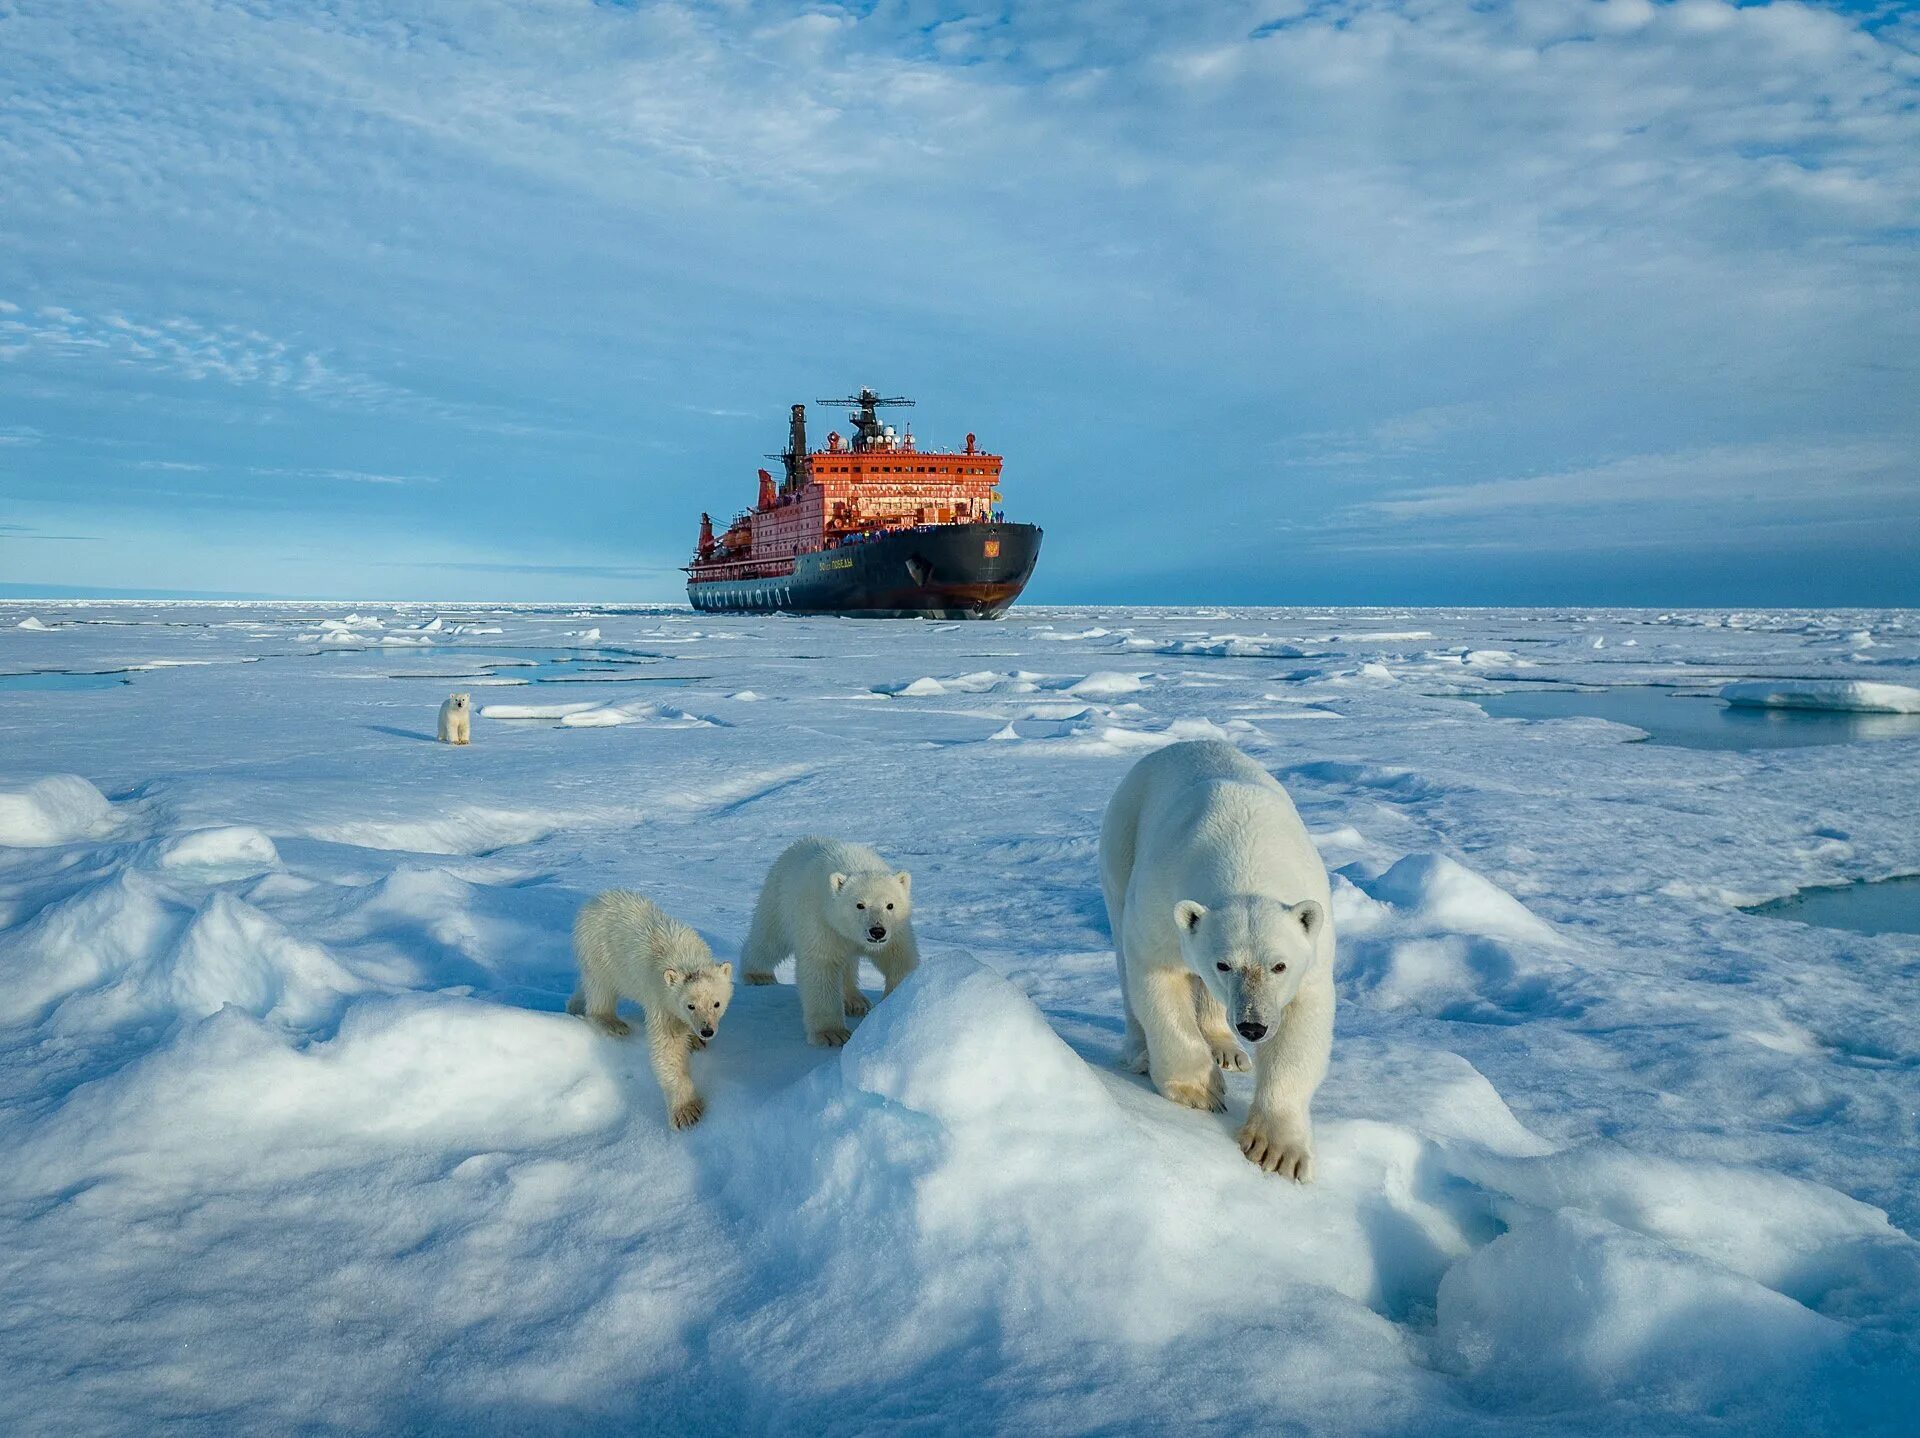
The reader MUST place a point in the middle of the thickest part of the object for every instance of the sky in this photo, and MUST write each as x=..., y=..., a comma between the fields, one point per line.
x=1264, y=303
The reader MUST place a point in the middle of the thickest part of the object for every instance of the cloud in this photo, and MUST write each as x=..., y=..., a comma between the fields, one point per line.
x=1736, y=479
x=1563, y=249
x=26, y=533
x=186, y=349
x=349, y=476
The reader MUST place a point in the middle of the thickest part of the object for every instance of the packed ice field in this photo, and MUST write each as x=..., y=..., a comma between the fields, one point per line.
x=299, y=1137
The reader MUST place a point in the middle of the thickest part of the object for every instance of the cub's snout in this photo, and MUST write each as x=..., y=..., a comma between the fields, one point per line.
x=1252, y=1032
x=877, y=932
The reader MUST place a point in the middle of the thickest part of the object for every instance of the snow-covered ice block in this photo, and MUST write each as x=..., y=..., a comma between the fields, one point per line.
x=125, y=951
x=1846, y=695
x=1446, y=894
x=230, y=851
x=233, y=1102
x=536, y=711
x=55, y=809
x=1571, y=1308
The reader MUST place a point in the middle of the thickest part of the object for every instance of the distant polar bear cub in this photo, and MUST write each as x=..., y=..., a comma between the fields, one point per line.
x=829, y=904
x=456, y=720
x=1221, y=913
x=629, y=949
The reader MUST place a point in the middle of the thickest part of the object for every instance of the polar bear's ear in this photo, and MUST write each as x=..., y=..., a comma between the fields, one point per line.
x=671, y=977
x=725, y=970
x=906, y=881
x=836, y=882
x=1188, y=914
x=1310, y=915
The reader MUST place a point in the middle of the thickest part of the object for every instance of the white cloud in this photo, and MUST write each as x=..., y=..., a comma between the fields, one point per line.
x=1558, y=243
x=1734, y=479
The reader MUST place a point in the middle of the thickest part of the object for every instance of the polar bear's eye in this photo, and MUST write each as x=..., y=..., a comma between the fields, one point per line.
x=1221, y=967
x=859, y=906
x=889, y=908
x=1279, y=968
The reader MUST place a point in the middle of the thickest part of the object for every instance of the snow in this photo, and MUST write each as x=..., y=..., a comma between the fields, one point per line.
x=53, y=809
x=300, y=1139
x=32, y=622
x=1846, y=695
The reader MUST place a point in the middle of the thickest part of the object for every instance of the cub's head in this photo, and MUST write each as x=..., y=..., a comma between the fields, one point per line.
x=867, y=908
x=702, y=996
x=459, y=701
x=1252, y=955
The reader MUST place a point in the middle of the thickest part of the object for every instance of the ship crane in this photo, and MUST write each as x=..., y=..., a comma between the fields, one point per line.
x=866, y=424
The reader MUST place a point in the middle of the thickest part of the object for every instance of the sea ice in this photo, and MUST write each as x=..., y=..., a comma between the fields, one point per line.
x=300, y=1140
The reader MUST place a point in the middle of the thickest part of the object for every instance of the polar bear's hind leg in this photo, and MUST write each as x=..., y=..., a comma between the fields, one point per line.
x=765, y=945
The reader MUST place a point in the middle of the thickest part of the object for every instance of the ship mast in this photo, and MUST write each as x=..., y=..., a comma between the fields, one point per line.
x=866, y=424
x=793, y=459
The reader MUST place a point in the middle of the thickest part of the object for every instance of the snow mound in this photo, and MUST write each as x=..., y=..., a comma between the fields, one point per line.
x=56, y=809
x=406, y=1075
x=461, y=829
x=123, y=952
x=1093, y=732
x=1225, y=646
x=1573, y=1309
x=597, y=714
x=660, y=716
x=1845, y=695
x=31, y=622
x=1432, y=936
x=1107, y=684
x=980, y=681
x=536, y=711
x=228, y=852
x=1449, y=895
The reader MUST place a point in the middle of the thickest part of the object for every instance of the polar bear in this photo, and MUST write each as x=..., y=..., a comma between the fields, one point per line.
x=456, y=719
x=1222, y=923
x=829, y=904
x=628, y=948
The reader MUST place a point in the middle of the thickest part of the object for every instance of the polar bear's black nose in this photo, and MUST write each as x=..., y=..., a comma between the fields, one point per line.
x=706, y=1031
x=1252, y=1032
x=877, y=932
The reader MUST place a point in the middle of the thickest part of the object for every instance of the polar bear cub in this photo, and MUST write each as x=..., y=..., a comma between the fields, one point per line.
x=456, y=719
x=830, y=904
x=629, y=949
x=1223, y=924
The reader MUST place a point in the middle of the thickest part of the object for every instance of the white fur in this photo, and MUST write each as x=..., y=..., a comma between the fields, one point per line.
x=629, y=949
x=819, y=902
x=456, y=720
x=1205, y=862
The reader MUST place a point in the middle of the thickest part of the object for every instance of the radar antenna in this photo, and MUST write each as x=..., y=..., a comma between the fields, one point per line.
x=866, y=424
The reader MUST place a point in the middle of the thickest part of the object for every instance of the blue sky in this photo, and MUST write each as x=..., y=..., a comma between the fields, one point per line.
x=1264, y=303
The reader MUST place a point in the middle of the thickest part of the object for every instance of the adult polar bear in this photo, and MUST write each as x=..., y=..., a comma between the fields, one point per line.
x=1220, y=908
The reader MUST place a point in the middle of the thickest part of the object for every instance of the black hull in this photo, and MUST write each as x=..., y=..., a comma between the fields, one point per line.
x=952, y=571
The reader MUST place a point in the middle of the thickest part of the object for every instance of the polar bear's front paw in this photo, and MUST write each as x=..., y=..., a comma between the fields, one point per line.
x=858, y=1005
x=686, y=1113
x=608, y=1024
x=1278, y=1145
x=1209, y=1095
x=830, y=1038
x=1232, y=1058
